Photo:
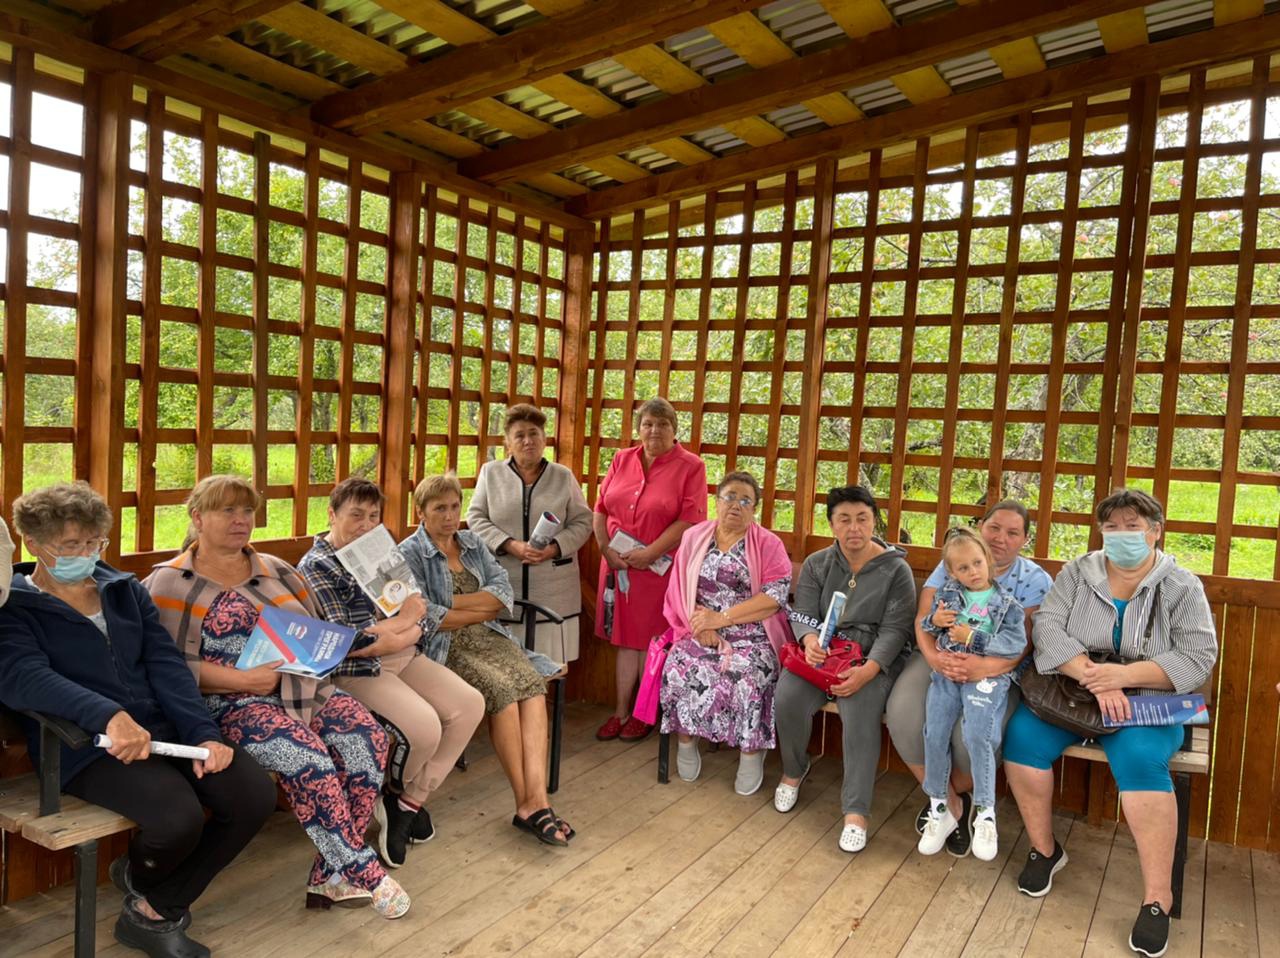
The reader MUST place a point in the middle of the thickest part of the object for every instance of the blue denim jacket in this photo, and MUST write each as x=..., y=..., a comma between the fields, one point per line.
x=1010, y=637
x=431, y=569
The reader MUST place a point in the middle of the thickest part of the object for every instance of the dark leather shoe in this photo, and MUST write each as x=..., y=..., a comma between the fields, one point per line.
x=159, y=939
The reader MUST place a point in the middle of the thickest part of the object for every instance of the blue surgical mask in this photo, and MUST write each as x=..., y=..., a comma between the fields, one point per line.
x=1128, y=550
x=70, y=569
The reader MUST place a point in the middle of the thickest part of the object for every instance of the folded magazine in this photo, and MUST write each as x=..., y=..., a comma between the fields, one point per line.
x=380, y=568
x=308, y=646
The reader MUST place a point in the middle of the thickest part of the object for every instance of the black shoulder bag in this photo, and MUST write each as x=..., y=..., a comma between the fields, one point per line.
x=1062, y=701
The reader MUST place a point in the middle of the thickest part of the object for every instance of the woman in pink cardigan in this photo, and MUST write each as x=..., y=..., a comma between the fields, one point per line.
x=726, y=605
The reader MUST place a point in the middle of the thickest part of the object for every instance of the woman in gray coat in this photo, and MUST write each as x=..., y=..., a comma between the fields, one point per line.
x=511, y=496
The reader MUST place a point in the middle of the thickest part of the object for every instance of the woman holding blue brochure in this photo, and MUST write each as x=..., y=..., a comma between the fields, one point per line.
x=1131, y=603
x=880, y=602
x=327, y=750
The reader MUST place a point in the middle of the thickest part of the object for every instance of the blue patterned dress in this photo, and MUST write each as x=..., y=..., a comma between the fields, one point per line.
x=730, y=703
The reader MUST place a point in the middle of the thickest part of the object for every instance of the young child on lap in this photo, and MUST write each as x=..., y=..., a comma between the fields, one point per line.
x=971, y=615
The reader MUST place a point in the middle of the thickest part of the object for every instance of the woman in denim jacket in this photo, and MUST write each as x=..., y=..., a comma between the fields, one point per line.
x=972, y=614
x=466, y=591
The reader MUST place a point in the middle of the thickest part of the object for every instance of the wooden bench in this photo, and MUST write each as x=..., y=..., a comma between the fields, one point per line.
x=32, y=806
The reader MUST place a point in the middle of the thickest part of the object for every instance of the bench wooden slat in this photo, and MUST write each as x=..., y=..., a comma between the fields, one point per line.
x=77, y=822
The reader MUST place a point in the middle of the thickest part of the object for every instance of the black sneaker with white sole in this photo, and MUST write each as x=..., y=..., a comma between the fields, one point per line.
x=394, y=828
x=422, y=830
x=1150, y=935
x=961, y=838
x=1037, y=875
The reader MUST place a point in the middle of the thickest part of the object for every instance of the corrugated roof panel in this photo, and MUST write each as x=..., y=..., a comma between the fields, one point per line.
x=1079, y=41
x=904, y=10
x=800, y=23
x=535, y=103
x=1178, y=16
x=977, y=69
x=649, y=158
x=297, y=53
x=614, y=80
x=716, y=139
x=456, y=121
x=878, y=97
x=587, y=177
x=500, y=16
x=703, y=53
x=793, y=120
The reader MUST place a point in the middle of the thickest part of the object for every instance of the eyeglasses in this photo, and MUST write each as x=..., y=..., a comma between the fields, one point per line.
x=74, y=547
x=732, y=500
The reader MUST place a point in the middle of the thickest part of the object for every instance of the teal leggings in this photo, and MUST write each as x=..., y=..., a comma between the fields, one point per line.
x=1139, y=756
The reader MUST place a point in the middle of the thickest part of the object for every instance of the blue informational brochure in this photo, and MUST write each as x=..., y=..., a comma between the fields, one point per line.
x=308, y=646
x=1164, y=710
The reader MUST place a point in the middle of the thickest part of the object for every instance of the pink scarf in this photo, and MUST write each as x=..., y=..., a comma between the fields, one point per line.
x=767, y=560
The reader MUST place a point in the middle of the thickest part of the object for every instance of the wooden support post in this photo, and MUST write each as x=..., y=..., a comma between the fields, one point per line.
x=396, y=450
x=814, y=349
x=858, y=400
x=306, y=342
x=1145, y=101
x=15, y=320
x=261, y=259
x=574, y=352
x=347, y=360
x=778, y=369
x=109, y=252
x=149, y=351
x=955, y=343
x=207, y=296
x=459, y=301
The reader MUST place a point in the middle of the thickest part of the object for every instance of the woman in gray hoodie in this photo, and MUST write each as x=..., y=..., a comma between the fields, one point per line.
x=878, y=615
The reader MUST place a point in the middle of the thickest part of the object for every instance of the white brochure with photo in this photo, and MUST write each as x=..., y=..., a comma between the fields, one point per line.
x=622, y=542
x=546, y=529
x=380, y=569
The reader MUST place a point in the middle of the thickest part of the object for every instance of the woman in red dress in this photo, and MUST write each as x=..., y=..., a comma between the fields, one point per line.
x=652, y=492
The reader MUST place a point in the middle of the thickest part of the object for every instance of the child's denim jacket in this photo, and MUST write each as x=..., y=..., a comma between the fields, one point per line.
x=1010, y=637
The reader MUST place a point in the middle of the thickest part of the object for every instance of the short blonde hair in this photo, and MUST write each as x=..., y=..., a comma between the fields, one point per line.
x=436, y=487
x=658, y=408
x=214, y=492
x=41, y=515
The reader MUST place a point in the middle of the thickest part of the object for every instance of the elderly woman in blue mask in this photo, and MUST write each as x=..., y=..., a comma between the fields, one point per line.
x=1133, y=603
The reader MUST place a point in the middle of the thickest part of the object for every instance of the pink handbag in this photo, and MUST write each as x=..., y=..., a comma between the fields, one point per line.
x=646, y=708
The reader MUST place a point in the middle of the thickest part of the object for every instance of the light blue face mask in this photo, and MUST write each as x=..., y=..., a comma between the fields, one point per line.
x=1128, y=550
x=70, y=569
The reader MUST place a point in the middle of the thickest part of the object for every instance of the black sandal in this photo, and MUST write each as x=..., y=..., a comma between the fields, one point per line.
x=565, y=828
x=543, y=825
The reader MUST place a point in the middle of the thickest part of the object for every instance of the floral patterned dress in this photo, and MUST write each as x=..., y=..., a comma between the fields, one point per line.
x=727, y=700
x=331, y=770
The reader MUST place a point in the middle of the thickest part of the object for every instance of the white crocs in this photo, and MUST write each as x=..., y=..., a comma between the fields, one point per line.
x=853, y=838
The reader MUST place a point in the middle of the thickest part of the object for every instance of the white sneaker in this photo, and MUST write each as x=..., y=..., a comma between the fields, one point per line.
x=785, y=796
x=985, y=845
x=939, y=825
x=750, y=773
x=853, y=838
x=688, y=761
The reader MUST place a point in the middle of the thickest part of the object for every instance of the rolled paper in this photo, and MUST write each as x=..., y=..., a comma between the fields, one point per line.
x=162, y=748
x=548, y=525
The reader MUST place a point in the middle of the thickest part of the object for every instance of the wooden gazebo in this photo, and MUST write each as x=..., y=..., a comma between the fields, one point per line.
x=954, y=250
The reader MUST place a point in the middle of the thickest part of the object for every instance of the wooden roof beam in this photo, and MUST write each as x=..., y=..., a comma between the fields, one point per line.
x=486, y=69
x=1237, y=40
x=154, y=29
x=890, y=52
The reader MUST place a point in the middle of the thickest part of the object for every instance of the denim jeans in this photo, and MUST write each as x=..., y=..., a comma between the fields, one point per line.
x=982, y=705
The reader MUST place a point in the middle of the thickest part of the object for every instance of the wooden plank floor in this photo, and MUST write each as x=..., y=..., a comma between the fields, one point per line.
x=692, y=870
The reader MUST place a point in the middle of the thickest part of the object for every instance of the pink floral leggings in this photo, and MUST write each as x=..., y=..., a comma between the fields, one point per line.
x=331, y=771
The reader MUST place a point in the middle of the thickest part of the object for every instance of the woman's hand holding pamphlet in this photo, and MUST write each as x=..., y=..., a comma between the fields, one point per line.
x=1163, y=710
x=622, y=543
x=379, y=567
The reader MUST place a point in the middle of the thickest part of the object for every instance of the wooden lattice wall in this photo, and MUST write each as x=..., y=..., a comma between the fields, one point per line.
x=1048, y=307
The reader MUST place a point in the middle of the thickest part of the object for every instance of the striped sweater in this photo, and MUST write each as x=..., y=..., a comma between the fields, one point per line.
x=183, y=596
x=1079, y=615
